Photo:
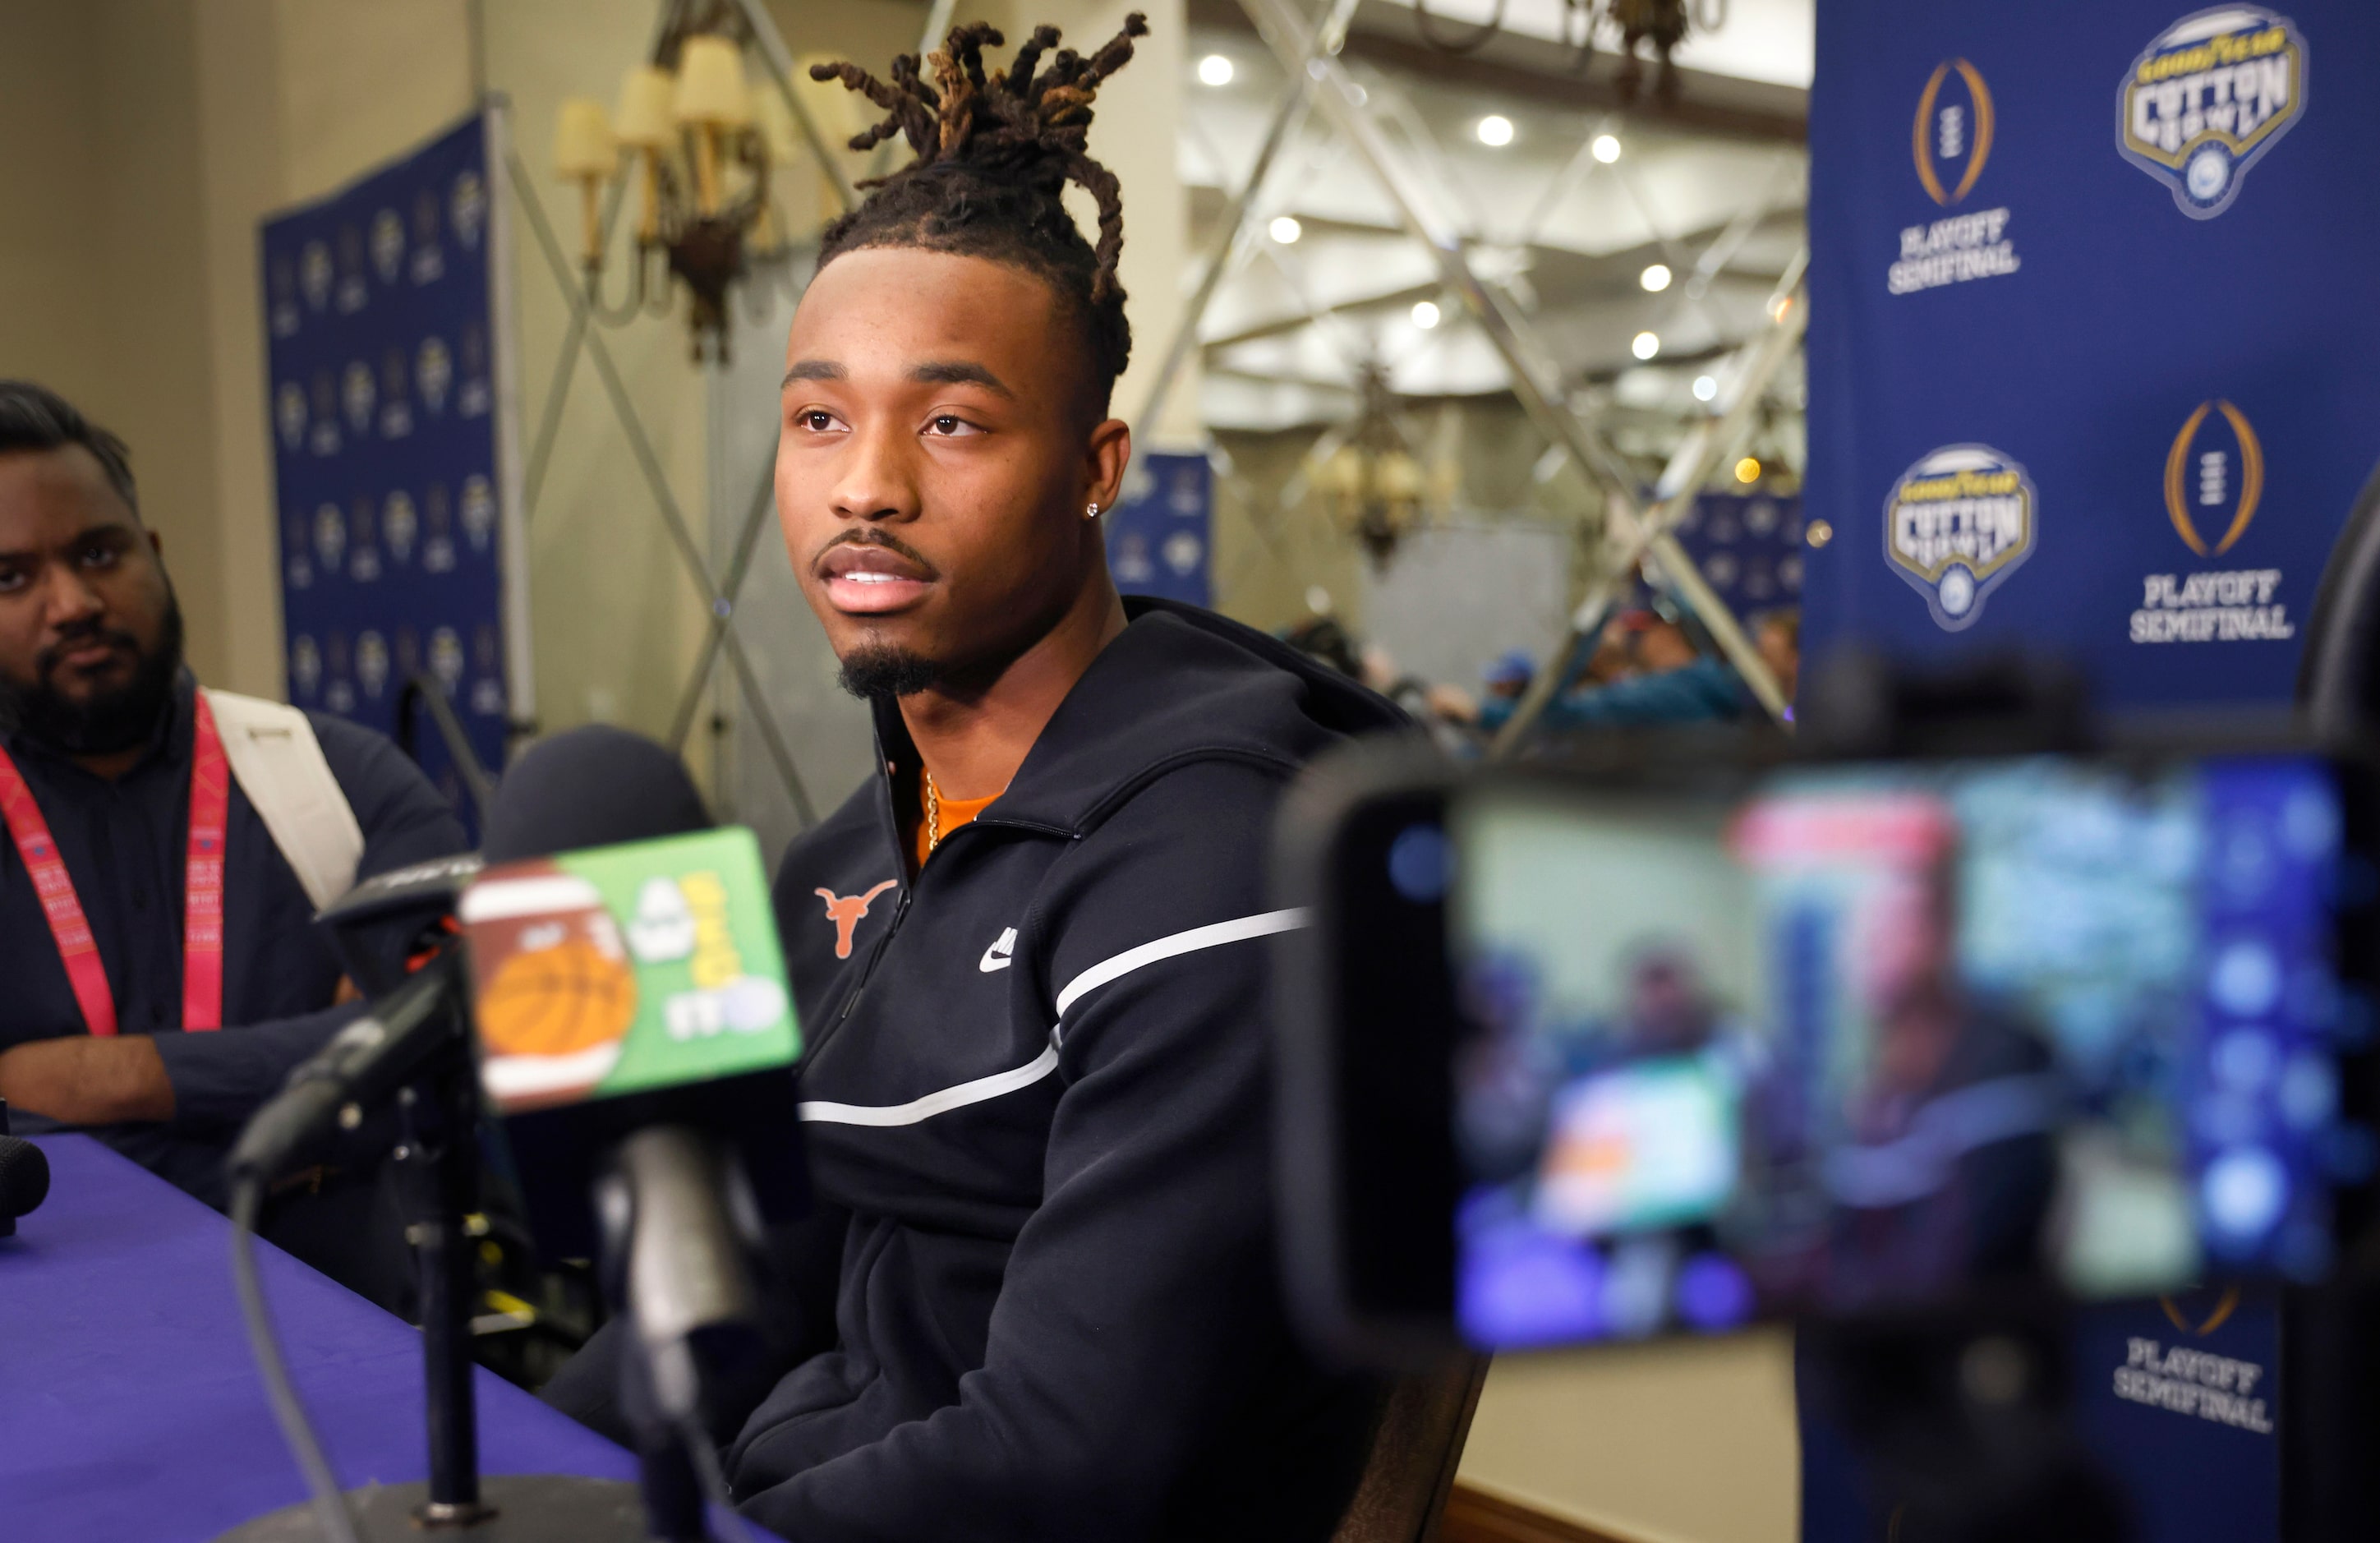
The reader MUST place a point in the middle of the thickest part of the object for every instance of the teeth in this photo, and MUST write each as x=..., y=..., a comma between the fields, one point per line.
x=864, y=577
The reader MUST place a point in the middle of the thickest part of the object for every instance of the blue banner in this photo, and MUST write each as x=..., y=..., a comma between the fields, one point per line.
x=2094, y=330
x=387, y=425
x=1748, y=547
x=1160, y=538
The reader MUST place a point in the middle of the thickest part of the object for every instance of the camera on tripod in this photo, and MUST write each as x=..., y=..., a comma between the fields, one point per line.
x=1916, y=1034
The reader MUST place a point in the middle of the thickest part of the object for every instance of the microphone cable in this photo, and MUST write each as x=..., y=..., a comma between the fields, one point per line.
x=329, y=1504
x=705, y=1457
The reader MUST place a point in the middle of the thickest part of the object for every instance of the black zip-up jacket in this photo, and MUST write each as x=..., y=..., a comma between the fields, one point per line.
x=1036, y=1083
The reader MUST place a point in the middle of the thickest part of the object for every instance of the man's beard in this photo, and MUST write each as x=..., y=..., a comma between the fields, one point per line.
x=880, y=672
x=109, y=721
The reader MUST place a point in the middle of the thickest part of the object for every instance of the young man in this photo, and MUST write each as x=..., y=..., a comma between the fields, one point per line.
x=144, y=898
x=1029, y=954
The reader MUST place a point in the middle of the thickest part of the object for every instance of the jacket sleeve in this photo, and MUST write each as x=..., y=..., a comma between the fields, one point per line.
x=1139, y=1305
x=220, y=1079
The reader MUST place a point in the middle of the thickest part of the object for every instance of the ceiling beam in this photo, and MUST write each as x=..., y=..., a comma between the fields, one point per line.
x=1536, y=70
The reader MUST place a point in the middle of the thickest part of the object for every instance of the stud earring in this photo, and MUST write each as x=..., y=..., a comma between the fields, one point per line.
x=1091, y=512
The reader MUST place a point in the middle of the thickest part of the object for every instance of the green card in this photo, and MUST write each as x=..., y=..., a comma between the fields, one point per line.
x=624, y=970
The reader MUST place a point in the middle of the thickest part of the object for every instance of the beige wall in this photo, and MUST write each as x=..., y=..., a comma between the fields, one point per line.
x=100, y=107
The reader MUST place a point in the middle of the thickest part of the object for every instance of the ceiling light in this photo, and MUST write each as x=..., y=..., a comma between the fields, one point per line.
x=1495, y=131
x=1705, y=388
x=1424, y=314
x=1748, y=469
x=1645, y=346
x=1654, y=278
x=1215, y=69
x=1285, y=230
x=1607, y=149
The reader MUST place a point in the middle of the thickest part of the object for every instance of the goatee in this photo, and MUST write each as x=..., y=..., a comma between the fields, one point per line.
x=881, y=674
x=110, y=720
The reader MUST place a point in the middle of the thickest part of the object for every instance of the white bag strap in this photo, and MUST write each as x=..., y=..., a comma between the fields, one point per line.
x=279, y=764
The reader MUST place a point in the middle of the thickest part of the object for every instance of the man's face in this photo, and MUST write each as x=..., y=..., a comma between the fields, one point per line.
x=1664, y=647
x=87, y=618
x=933, y=461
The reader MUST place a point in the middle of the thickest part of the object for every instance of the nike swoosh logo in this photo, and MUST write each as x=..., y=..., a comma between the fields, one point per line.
x=996, y=957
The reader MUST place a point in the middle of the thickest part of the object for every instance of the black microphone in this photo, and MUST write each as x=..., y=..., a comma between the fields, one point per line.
x=24, y=1181
x=374, y=925
x=391, y=1044
x=669, y=1185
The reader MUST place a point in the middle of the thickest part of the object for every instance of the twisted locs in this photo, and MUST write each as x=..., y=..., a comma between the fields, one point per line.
x=1030, y=124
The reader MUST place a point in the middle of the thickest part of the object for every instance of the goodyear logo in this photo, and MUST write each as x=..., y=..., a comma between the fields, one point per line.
x=1952, y=136
x=1956, y=525
x=2208, y=98
x=2213, y=478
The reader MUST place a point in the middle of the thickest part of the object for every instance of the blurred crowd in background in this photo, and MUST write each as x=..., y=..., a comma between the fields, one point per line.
x=1652, y=663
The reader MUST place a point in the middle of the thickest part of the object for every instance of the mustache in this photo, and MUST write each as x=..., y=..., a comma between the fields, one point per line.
x=82, y=634
x=867, y=536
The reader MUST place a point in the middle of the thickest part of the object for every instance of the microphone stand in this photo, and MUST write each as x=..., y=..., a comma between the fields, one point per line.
x=438, y=1172
x=438, y=1168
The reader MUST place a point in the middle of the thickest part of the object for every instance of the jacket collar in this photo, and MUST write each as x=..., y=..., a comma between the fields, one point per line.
x=1178, y=684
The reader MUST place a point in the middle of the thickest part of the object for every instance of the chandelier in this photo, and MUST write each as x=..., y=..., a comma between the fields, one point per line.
x=1374, y=483
x=700, y=143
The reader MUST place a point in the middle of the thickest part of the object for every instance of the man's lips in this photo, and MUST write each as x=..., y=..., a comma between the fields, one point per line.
x=867, y=579
x=88, y=654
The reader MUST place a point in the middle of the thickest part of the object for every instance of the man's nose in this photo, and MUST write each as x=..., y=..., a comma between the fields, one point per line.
x=68, y=598
x=877, y=481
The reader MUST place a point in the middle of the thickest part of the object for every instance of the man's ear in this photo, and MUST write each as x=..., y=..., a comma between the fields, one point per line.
x=1107, y=454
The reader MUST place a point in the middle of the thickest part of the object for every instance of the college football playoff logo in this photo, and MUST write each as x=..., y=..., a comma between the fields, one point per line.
x=1952, y=136
x=2215, y=471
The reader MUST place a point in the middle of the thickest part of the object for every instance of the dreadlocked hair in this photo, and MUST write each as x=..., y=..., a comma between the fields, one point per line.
x=994, y=153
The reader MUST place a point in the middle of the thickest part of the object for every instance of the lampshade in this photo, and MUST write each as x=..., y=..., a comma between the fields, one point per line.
x=710, y=86
x=646, y=120
x=1401, y=478
x=582, y=140
x=1342, y=474
x=777, y=131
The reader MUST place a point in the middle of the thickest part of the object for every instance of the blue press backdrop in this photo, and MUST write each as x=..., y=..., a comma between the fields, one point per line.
x=1160, y=538
x=385, y=415
x=1997, y=264
x=2095, y=370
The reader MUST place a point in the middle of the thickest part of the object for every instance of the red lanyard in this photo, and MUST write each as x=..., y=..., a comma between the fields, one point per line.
x=203, y=926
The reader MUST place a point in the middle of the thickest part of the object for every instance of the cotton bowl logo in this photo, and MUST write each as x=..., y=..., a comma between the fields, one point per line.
x=1956, y=525
x=2216, y=469
x=1952, y=136
x=2208, y=98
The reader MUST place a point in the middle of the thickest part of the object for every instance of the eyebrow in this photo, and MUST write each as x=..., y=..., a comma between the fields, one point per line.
x=815, y=370
x=931, y=373
x=958, y=372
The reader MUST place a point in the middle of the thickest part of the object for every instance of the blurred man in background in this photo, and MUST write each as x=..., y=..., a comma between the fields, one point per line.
x=164, y=969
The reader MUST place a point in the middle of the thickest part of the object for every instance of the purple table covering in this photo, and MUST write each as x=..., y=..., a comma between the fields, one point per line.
x=130, y=1409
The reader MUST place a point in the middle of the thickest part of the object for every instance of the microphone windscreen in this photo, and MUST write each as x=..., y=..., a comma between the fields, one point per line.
x=24, y=1176
x=591, y=787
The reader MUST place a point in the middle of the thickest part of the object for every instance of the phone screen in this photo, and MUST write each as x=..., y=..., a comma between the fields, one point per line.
x=1868, y=1035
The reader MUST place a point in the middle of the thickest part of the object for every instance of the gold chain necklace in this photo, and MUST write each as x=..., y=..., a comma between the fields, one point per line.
x=933, y=816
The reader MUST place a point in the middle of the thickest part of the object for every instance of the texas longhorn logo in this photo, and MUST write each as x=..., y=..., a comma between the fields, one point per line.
x=1952, y=136
x=2214, y=471
x=845, y=911
x=1956, y=525
x=2208, y=98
